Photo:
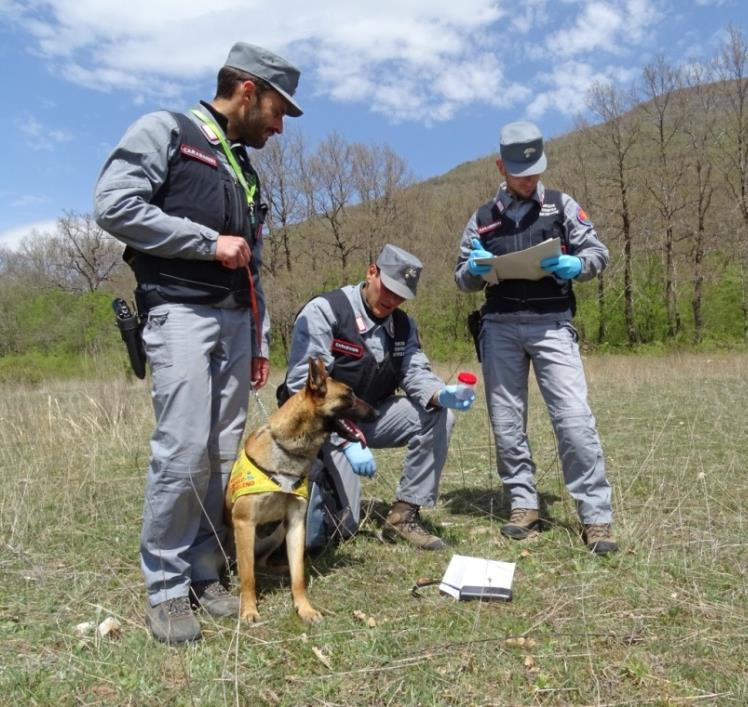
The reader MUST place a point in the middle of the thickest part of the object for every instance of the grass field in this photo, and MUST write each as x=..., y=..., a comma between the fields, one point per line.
x=664, y=622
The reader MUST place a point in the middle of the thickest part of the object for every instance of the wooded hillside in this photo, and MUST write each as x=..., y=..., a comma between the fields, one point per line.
x=662, y=172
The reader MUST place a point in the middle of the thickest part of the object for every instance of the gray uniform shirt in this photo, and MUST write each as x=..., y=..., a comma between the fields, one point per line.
x=134, y=171
x=313, y=335
x=583, y=242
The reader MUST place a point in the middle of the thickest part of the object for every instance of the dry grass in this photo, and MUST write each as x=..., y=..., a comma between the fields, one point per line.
x=664, y=622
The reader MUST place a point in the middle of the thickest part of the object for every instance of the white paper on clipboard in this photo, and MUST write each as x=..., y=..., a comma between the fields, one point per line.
x=522, y=265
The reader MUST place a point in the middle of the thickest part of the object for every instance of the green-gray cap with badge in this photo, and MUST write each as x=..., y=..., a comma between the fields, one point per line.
x=521, y=149
x=269, y=67
x=399, y=271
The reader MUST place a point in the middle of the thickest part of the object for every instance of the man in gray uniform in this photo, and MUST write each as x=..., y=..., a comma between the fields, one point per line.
x=367, y=342
x=524, y=321
x=180, y=192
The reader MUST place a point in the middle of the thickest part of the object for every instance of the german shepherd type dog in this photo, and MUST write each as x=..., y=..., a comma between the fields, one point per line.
x=269, y=480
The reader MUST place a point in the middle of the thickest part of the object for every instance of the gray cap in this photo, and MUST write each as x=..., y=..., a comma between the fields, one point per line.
x=399, y=271
x=521, y=149
x=265, y=65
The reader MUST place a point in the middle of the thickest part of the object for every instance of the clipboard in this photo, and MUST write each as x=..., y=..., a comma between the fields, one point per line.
x=522, y=265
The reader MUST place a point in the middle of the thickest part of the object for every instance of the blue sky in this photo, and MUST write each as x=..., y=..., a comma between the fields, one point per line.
x=433, y=79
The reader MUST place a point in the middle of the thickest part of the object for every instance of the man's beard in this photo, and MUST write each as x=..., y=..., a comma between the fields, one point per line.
x=252, y=133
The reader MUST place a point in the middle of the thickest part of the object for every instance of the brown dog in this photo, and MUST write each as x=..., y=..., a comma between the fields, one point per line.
x=269, y=481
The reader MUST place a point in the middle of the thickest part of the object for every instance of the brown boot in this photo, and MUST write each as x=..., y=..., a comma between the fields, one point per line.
x=521, y=522
x=599, y=538
x=404, y=521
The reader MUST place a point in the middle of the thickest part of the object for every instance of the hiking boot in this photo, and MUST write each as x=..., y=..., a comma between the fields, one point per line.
x=404, y=520
x=172, y=621
x=599, y=538
x=521, y=522
x=213, y=598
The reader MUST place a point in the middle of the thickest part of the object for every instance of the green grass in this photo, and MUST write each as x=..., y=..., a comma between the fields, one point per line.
x=664, y=622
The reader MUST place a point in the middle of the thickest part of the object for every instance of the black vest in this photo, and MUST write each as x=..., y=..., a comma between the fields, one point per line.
x=500, y=236
x=200, y=189
x=354, y=364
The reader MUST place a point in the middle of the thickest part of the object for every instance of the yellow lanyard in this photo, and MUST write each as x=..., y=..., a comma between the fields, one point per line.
x=249, y=189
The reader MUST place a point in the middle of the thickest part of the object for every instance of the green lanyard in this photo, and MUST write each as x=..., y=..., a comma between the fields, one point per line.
x=249, y=189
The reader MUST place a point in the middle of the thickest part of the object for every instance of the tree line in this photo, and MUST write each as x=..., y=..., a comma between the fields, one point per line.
x=662, y=169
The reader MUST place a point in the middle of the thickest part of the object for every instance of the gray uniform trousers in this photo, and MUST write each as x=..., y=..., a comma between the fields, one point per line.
x=507, y=348
x=401, y=422
x=200, y=360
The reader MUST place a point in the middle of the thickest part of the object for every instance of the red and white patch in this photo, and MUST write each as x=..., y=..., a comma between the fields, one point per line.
x=489, y=227
x=209, y=133
x=582, y=217
x=196, y=153
x=360, y=324
x=347, y=348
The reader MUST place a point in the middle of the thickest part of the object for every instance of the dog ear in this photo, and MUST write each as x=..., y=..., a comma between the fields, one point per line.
x=316, y=380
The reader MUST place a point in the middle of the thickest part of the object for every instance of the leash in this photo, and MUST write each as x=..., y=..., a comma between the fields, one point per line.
x=259, y=402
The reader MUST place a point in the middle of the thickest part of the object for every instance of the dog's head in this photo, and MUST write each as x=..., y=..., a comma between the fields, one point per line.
x=337, y=403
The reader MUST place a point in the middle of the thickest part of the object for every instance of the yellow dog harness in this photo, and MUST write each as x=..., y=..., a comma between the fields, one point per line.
x=246, y=477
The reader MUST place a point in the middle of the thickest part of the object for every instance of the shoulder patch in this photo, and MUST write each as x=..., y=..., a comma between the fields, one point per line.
x=488, y=227
x=196, y=153
x=347, y=348
x=210, y=134
x=582, y=217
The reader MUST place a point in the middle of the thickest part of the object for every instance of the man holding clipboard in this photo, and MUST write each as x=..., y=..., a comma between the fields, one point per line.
x=543, y=240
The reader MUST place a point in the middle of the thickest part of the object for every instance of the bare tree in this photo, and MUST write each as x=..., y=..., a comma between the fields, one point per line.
x=379, y=175
x=576, y=177
x=698, y=127
x=88, y=251
x=328, y=180
x=78, y=257
x=616, y=137
x=665, y=174
x=732, y=140
x=280, y=166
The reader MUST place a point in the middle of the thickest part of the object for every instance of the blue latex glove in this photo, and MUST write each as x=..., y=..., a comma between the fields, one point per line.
x=564, y=267
x=360, y=458
x=448, y=398
x=478, y=251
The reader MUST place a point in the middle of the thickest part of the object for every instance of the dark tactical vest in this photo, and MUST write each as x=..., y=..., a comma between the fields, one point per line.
x=354, y=364
x=199, y=188
x=500, y=236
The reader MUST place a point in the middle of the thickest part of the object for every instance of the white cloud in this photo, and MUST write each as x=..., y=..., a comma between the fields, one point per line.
x=13, y=237
x=612, y=26
x=569, y=83
x=26, y=200
x=398, y=55
x=39, y=137
x=409, y=60
x=530, y=15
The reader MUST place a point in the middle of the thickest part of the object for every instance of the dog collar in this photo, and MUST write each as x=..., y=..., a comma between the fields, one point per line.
x=248, y=477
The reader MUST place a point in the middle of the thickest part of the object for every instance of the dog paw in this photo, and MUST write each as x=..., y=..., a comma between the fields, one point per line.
x=309, y=615
x=250, y=615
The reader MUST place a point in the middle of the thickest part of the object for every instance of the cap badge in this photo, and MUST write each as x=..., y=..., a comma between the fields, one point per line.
x=410, y=274
x=529, y=152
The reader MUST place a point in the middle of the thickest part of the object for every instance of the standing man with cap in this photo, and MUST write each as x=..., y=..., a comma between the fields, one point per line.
x=371, y=345
x=529, y=321
x=180, y=193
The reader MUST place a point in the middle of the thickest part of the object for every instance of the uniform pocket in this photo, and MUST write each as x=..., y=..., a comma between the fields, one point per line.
x=573, y=333
x=157, y=347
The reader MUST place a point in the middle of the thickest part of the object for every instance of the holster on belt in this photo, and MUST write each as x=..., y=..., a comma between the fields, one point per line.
x=130, y=329
x=473, y=323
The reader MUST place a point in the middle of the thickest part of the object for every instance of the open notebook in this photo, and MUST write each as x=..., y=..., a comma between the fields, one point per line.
x=476, y=578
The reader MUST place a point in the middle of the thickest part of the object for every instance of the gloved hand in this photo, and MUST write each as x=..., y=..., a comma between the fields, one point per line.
x=564, y=267
x=360, y=458
x=478, y=251
x=448, y=398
